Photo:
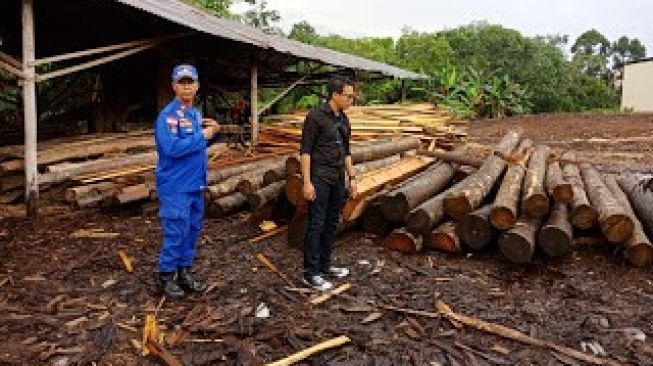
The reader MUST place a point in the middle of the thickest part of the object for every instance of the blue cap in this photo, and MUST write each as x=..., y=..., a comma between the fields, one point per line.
x=184, y=71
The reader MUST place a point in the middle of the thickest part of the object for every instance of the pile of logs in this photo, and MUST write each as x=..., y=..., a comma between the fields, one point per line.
x=520, y=198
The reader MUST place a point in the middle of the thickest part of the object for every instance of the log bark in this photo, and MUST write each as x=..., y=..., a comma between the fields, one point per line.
x=11, y=182
x=558, y=188
x=399, y=202
x=250, y=183
x=403, y=241
x=453, y=157
x=475, y=230
x=639, y=190
x=376, y=180
x=638, y=249
x=556, y=238
x=76, y=193
x=423, y=217
x=518, y=244
x=274, y=175
x=63, y=172
x=133, y=193
x=229, y=186
x=369, y=166
x=469, y=193
x=444, y=238
x=363, y=153
x=504, y=212
x=615, y=223
x=373, y=221
x=217, y=175
x=226, y=205
x=266, y=195
x=535, y=201
x=582, y=215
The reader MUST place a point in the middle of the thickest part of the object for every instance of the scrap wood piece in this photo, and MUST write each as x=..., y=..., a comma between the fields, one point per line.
x=274, y=269
x=151, y=333
x=515, y=335
x=326, y=296
x=93, y=234
x=157, y=349
x=126, y=261
x=331, y=343
x=269, y=234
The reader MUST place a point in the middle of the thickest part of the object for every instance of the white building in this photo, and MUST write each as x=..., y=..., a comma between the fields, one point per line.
x=637, y=85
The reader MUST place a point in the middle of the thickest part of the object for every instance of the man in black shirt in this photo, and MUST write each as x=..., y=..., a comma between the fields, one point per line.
x=325, y=156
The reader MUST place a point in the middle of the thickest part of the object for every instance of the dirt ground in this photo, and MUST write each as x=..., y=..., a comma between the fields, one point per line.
x=61, y=297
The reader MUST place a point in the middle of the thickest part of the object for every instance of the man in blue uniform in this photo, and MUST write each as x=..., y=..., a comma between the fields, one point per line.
x=182, y=136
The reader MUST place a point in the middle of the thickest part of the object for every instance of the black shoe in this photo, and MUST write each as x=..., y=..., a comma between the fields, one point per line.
x=187, y=282
x=166, y=285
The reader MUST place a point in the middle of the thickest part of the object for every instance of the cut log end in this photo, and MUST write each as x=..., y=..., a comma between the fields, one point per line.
x=403, y=241
x=640, y=254
x=294, y=189
x=555, y=242
x=617, y=228
x=293, y=166
x=457, y=206
x=474, y=231
x=444, y=238
x=418, y=222
x=516, y=248
x=536, y=205
x=563, y=193
x=502, y=218
x=583, y=217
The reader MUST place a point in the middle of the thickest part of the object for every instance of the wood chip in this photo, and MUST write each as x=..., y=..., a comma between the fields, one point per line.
x=324, y=297
x=126, y=261
x=372, y=317
x=93, y=234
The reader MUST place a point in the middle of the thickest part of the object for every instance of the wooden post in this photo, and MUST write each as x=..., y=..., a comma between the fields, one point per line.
x=403, y=91
x=253, y=104
x=29, y=107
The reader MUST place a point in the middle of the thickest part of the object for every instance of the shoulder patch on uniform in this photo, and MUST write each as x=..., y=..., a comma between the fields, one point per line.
x=172, y=124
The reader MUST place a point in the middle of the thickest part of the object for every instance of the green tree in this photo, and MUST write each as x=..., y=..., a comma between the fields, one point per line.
x=624, y=50
x=260, y=16
x=591, y=52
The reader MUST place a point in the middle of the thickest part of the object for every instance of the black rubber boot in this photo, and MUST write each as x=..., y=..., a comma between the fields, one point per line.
x=187, y=282
x=167, y=286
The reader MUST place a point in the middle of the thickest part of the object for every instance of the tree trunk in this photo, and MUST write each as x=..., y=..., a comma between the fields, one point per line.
x=582, y=215
x=639, y=251
x=518, y=244
x=535, y=202
x=374, y=181
x=133, y=193
x=423, y=217
x=266, y=195
x=474, y=229
x=453, y=157
x=504, y=213
x=556, y=238
x=615, y=223
x=444, y=238
x=469, y=193
x=217, y=175
x=223, y=206
x=274, y=175
x=64, y=172
x=558, y=188
x=403, y=241
x=253, y=182
x=399, y=202
x=228, y=186
x=373, y=220
x=639, y=190
x=369, y=166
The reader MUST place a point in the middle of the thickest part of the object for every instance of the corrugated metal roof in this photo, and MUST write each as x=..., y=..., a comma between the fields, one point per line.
x=194, y=18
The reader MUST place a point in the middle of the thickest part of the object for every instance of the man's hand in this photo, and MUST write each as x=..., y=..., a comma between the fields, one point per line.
x=211, y=127
x=309, y=191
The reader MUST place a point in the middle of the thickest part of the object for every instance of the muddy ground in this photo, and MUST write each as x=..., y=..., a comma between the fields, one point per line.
x=61, y=297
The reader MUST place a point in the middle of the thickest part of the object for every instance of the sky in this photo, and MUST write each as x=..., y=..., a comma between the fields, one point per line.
x=377, y=18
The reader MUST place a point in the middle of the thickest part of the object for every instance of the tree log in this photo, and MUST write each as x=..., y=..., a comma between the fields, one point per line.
x=223, y=206
x=373, y=220
x=518, y=244
x=639, y=190
x=228, y=186
x=558, y=188
x=368, y=166
x=11, y=182
x=403, y=241
x=266, y=195
x=556, y=238
x=274, y=175
x=251, y=183
x=638, y=249
x=582, y=215
x=615, y=223
x=535, y=202
x=474, y=229
x=399, y=202
x=374, y=181
x=453, y=157
x=504, y=212
x=444, y=238
x=469, y=193
x=133, y=193
x=383, y=149
x=217, y=175
x=62, y=172
x=76, y=193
